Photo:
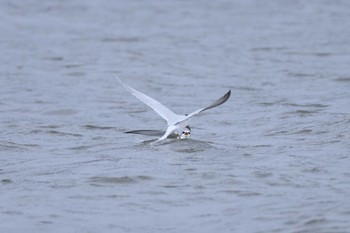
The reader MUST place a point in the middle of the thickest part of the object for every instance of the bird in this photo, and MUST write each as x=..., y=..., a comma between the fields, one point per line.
x=177, y=124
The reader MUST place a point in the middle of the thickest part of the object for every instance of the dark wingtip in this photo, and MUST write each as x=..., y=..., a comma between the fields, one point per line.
x=227, y=95
x=218, y=102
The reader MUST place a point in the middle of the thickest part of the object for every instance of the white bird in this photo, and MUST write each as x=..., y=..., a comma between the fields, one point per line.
x=177, y=124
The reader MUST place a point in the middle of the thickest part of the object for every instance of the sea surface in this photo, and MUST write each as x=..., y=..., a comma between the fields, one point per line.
x=274, y=158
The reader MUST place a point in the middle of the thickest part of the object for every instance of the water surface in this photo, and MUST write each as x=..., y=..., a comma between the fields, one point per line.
x=274, y=158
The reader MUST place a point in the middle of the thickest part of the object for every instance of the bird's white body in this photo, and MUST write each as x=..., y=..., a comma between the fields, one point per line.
x=176, y=123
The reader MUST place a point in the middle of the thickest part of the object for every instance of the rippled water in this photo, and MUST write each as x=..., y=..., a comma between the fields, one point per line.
x=274, y=158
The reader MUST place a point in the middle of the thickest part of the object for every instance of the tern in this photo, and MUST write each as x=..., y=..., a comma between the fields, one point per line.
x=177, y=124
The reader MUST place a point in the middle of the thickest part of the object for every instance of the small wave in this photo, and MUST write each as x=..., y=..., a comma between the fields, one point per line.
x=242, y=193
x=54, y=132
x=4, y=146
x=53, y=58
x=121, y=39
x=300, y=75
x=64, y=133
x=282, y=103
x=263, y=145
x=268, y=49
x=61, y=112
x=305, y=105
x=97, y=127
x=6, y=181
x=313, y=170
x=315, y=221
x=302, y=112
x=76, y=74
x=342, y=79
x=188, y=146
x=262, y=174
x=50, y=126
x=83, y=147
x=104, y=180
x=245, y=88
x=304, y=131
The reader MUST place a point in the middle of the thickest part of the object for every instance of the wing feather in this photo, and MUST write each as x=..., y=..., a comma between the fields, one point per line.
x=216, y=103
x=158, y=107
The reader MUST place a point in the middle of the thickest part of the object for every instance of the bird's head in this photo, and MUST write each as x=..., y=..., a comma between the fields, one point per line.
x=186, y=133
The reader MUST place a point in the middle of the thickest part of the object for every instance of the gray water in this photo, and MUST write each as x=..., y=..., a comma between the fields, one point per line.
x=274, y=158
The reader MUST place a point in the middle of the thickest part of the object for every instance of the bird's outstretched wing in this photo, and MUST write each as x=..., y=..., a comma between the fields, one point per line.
x=159, y=108
x=216, y=103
